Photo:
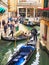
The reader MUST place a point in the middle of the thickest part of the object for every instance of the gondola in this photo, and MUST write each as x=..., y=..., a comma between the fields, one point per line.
x=21, y=37
x=22, y=56
x=31, y=24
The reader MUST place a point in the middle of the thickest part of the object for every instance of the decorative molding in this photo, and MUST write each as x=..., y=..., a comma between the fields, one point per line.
x=3, y=3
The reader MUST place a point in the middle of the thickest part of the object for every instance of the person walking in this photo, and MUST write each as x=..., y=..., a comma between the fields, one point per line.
x=34, y=33
x=5, y=29
x=21, y=19
x=15, y=20
x=3, y=22
x=12, y=29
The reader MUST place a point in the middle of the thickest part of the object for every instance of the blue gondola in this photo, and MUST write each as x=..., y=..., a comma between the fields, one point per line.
x=22, y=56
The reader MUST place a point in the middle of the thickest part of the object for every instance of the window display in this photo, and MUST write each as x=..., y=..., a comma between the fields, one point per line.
x=30, y=12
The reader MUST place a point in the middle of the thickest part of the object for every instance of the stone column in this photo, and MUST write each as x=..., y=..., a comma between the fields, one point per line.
x=9, y=14
x=18, y=12
x=26, y=12
x=34, y=14
x=1, y=20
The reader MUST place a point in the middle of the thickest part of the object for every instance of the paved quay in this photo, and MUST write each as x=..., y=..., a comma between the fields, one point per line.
x=2, y=31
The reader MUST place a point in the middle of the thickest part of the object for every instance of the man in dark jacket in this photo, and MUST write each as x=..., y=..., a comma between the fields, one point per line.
x=5, y=29
x=12, y=29
x=21, y=19
x=34, y=33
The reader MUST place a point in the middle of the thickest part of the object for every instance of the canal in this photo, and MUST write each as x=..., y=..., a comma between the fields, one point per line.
x=7, y=49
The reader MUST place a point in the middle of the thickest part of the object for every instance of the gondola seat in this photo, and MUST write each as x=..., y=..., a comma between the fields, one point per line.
x=21, y=60
x=24, y=53
x=26, y=48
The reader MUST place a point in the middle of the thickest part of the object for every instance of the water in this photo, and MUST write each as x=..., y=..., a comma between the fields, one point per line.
x=6, y=52
x=39, y=58
x=7, y=49
x=36, y=61
x=44, y=58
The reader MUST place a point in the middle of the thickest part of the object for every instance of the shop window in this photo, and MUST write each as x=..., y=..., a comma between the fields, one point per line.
x=44, y=14
x=48, y=14
x=45, y=33
x=38, y=13
x=22, y=12
x=22, y=0
x=44, y=37
x=29, y=12
x=45, y=3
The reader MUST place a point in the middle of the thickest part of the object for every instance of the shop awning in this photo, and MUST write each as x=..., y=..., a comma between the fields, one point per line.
x=2, y=10
x=44, y=8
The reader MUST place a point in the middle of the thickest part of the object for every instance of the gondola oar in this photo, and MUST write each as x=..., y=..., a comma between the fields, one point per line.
x=28, y=38
x=15, y=42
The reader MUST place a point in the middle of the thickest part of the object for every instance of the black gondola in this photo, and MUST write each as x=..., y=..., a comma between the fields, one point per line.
x=21, y=37
x=23, y=55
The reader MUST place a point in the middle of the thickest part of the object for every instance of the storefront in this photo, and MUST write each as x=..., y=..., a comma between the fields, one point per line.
x=26, y=12
x=28, y=9
x=3, y=12
x=44, y=28
x=22, y=12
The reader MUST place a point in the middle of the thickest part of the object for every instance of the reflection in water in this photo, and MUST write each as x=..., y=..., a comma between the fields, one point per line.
x=38, y=58
x=36, y=61
x=8, y=55
x=44, y=58
x=18, y=47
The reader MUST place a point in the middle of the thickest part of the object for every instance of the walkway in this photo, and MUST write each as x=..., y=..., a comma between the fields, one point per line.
x=2, y=31
x=21, y=27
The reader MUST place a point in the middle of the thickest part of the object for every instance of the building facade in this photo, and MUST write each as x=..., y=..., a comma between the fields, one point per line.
x=27, y=8
x=4, y=16
x=12, y=7
x=44, y=26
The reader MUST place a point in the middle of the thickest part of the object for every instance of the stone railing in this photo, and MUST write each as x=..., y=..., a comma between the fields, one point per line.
x=31, y=4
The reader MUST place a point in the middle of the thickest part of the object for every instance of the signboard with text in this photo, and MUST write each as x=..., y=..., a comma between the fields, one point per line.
x=31, y=2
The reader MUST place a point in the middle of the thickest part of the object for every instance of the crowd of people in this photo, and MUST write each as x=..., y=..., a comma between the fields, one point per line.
x=11, y=24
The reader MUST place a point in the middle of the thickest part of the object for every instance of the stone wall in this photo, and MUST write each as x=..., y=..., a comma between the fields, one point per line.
x=41, y=29
x=48, y=39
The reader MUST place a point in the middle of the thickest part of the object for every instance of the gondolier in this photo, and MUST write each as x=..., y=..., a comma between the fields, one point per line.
x=34, y=34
